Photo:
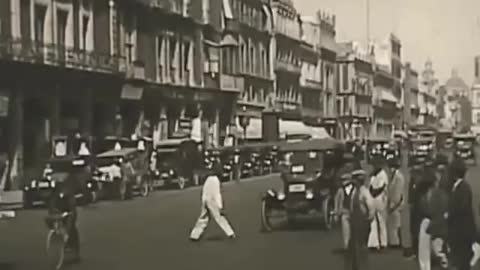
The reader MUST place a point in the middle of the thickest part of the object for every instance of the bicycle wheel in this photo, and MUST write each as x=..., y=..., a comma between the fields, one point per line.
x=55, y=250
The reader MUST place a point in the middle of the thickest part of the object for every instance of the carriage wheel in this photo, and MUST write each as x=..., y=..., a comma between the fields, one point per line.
x=266, y=225
x=327, y=210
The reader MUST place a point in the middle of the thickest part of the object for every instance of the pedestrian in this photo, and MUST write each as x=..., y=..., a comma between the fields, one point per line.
x=212, y=207
x=395, y=203
x=378, y=189
x=342, y=206
x=361, y=216
x=461, y=224
x=413, y=200
x=425, y=215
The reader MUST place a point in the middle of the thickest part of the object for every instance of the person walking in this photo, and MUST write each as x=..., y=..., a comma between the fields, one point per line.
x=413, y=201
x=395, y=203
x=342, y=206
x=378, y=189
x=361, y=216
x=211, y=207
x=461, y=224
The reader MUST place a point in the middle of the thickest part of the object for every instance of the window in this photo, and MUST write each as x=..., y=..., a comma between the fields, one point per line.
x=61, y=26
x=40, y=12
x=345, y=77
x=160, y=58
x=477, y=68
x=186, y=55
x=252, y=60
x=85, y=21
x=212, y=58
x=478, y=117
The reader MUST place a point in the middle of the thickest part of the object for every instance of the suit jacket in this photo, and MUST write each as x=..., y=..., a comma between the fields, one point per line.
x=461, y=223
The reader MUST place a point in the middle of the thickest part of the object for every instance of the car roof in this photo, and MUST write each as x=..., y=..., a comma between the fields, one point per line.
x=463, y=136
x=310, y=145
x=117, y=153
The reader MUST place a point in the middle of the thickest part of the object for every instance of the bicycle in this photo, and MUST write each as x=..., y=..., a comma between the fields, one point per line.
x=57, y=239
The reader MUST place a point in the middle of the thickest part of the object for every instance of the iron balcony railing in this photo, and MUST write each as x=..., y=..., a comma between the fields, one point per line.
x=29, y=51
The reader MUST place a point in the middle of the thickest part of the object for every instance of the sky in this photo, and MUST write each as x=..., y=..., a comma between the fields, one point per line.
x=446, y=31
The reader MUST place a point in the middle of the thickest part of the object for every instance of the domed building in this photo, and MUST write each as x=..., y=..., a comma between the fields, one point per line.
x=458, y=111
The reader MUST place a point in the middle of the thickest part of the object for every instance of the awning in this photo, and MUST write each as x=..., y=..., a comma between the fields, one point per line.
x=132, y=92
x=388, y=96
x=254, y=129
x=229, y=40
x=288, y=127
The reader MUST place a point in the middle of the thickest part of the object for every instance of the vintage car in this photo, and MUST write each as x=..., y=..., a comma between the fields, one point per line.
x=444, y=140
x=421, y=150
x=111, y=167
x=178, y=163
x=376, y=146
x=55, y=173
x=308, y=177
x=464, y=147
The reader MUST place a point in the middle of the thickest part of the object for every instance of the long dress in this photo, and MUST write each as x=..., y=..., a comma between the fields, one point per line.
x=378, y=230
x=361, y=212
x=395, y=206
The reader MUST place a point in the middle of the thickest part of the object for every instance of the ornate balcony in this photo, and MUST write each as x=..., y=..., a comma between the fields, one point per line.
x=29, y=51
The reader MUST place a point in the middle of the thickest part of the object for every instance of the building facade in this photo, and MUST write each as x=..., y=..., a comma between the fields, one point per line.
x=476, y=97
x=415, y=97
x=356, y=80
x=457, y=108
x=428, y=99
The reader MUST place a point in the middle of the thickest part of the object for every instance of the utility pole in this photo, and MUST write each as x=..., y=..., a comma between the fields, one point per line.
x=368, y=22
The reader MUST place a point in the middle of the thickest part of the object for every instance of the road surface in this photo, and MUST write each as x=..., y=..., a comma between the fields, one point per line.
x=152, y=233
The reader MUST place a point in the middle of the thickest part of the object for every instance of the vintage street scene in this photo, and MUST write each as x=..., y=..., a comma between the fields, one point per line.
x=239, y=134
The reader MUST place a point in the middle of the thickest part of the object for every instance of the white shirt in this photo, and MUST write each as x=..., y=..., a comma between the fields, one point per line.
x=211, y=192
x=379, y=180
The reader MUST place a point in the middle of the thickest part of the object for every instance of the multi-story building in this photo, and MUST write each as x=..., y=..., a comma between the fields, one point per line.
x=396, y=68
x=458, y=109
x=116, y=67
x=286, y=47
x=414, y=98
x=476, y=98
x=354, y=94
x=64, y=69
x=250, y=25
x=428, y=90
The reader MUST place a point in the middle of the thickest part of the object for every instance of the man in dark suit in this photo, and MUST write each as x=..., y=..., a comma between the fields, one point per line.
x=461, y=225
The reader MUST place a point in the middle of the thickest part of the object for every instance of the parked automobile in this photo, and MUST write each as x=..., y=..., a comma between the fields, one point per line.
x=464, y=147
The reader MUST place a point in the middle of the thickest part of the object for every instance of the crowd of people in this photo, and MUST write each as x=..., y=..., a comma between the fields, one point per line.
x=439, y=200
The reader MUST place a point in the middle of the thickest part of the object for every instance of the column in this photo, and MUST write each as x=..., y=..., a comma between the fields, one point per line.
x=87, y=113
x=16, y=137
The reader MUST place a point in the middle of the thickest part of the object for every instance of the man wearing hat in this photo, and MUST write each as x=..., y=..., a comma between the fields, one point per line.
x=395, y=202
x=361, y=213
x=461, y=223
x=414, y=196
x=342, y=204
x=378, y=189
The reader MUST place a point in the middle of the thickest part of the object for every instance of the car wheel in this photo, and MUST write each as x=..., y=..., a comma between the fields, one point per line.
x=327, y=210
x=122, y=190
x=145, y=188
x=266, y=225
x=181, y=183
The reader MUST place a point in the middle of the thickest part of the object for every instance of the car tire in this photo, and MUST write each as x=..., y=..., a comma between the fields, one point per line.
x=265, y=222
x=144, y=189
x=327, y=210
x=122, y=190
x=181, y=183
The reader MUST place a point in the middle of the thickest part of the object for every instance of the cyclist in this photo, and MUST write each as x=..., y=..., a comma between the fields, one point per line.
x=63, y=201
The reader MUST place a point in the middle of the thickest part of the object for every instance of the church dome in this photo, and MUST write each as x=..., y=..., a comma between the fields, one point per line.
x=455, y=82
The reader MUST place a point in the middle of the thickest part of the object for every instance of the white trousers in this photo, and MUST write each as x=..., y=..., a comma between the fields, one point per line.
x=345, y=220
x=394, y=223
x=378, y=230
x=210, y=210
x=424, y=246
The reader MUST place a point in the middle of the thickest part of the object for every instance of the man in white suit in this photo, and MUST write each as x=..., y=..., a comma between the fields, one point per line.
x=378, y=189
x=212, y=207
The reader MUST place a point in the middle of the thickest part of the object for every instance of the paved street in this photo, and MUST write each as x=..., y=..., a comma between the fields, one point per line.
x=152, y=233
